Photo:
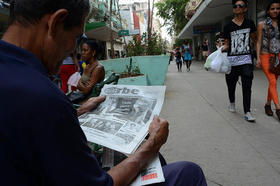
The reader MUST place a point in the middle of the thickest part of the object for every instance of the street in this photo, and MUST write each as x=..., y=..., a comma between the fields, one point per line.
x=230, y=150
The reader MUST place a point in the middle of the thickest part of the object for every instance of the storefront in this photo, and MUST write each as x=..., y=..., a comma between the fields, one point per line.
x=210, y=18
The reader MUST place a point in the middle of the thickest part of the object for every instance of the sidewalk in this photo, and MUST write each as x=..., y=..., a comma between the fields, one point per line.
x=230, y=150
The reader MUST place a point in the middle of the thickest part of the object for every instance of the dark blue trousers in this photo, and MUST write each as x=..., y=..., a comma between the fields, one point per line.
x=183, y=174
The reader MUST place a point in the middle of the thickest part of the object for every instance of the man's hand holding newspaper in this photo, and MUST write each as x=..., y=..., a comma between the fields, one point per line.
x=125, y=172
x=158, y=132
x=121, y=122
x=91, y=104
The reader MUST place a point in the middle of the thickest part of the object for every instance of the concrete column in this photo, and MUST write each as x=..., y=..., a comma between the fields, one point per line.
x=212, y=42
x=108, y=46
x=252, y=10
x=200, y=41
x=194, y=46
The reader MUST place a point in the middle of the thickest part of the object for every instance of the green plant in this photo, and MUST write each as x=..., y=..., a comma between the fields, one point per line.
x=136, y=70
x=135, y=47
x=143, y=46
x=131, y=69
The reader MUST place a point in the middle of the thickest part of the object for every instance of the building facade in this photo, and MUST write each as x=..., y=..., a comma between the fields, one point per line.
x=103, y=26
x=134, y=16
x=99, y=25
x=210, y=16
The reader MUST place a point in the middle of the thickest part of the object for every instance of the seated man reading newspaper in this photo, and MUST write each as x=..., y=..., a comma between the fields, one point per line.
x=41, y=141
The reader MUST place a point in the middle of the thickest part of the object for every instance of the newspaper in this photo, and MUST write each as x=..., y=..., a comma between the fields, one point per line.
x=122, y=121
x=151, y=174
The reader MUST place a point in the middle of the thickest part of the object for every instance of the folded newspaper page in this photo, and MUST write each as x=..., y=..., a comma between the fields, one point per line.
x=122, y=121
x=151, y=174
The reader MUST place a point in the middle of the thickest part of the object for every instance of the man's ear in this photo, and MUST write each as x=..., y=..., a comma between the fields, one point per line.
x=56, y=22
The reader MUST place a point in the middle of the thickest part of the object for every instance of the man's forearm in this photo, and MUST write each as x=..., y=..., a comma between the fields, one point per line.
x=90, y=104
x=125, y=172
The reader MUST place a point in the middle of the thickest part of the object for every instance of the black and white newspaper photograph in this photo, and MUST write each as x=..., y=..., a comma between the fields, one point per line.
x=122, y=121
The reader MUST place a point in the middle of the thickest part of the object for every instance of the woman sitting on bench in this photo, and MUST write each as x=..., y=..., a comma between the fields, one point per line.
x=94, y=72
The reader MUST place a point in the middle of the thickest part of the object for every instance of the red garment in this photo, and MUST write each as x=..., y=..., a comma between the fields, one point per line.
x=272, y=79
x=65, y=72
x=136, y=21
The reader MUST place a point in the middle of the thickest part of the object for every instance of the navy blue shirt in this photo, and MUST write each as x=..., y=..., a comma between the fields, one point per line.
x=41, y=142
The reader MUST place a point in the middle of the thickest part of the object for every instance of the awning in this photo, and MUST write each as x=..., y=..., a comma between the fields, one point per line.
x=192, y=5
x=210, y=12
x=94, y=25
x=100, y=31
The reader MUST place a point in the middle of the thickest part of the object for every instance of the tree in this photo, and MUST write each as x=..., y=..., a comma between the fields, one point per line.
x=180, y=42
x=173, y=14
x=143, y=46
x=136, y=47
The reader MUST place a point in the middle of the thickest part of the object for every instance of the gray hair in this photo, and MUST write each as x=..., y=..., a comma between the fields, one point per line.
x=28, y=12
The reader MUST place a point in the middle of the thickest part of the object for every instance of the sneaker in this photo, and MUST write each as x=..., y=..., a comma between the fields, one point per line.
x=231, y=107
x=248, y=117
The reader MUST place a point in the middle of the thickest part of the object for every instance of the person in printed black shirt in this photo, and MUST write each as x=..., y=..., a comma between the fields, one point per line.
x=239, y=34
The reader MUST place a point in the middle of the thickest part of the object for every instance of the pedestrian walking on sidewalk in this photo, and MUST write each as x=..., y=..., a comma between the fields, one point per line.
x=205, y=50
x=239, y=35
x=178, y=59
x=187, y=55
x=171, y=56
x=268, y=45
x=41, y=141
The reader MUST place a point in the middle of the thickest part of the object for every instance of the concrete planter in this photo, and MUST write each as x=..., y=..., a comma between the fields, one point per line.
x=137, y=80
x=154, y=67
